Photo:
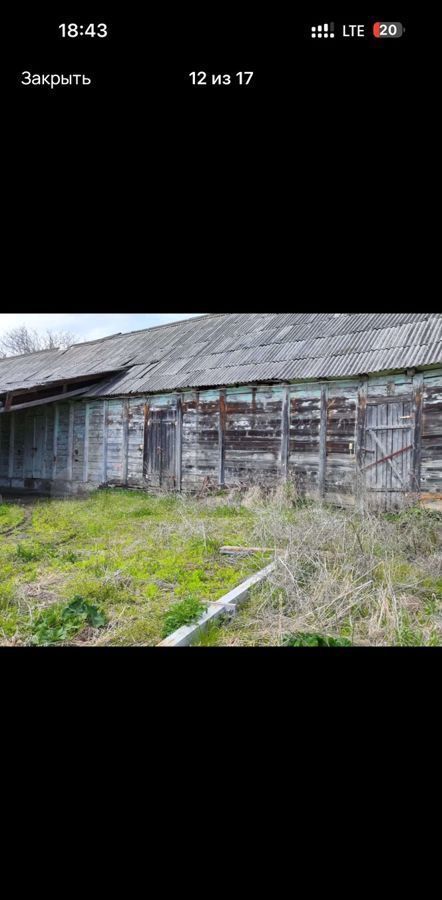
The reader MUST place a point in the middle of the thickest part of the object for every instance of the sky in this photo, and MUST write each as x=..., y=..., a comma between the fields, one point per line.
x=88, y=326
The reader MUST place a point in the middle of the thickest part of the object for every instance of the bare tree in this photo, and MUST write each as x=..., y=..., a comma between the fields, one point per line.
x=23, y=340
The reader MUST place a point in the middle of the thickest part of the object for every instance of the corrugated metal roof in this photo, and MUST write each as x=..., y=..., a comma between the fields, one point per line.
x=237, y=348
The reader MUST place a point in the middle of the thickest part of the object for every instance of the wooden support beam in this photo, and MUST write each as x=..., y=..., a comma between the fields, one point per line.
x=360, y=434
x=8, y=401
x=105, y=438
x=285, y=433
x=45, y=447
x=55, y=441
x=86, y=444
x=34, y=446
x=46, y=400
x=11, y=447
x=70, y=460
x=222, y=437
x=126, y=413
x=418, y=392
x=179, y=443
x=323, y=440
x=146, y=460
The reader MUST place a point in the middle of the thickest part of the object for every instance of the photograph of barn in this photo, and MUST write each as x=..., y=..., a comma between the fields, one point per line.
x=344, y=405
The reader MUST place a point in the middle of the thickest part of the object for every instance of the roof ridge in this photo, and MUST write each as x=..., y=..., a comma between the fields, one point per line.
x=33, y=353
x=171, y=324
x=109, y=337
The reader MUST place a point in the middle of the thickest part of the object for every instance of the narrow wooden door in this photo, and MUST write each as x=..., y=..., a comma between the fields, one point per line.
x=160, y=448
x=35, y=445
x=388, y=449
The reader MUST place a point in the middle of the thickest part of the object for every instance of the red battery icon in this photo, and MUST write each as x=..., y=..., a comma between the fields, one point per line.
x=388, y=29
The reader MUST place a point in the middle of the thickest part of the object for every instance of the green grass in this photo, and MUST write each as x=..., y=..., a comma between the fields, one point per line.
x=10, y=517
x=143, y=563
x=122, y=568
x=183, y=613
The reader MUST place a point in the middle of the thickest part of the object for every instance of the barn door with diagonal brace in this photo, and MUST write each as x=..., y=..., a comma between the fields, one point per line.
x=387, y=455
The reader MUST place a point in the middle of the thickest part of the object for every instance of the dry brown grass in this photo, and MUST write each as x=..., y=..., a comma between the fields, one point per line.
x=373, y=579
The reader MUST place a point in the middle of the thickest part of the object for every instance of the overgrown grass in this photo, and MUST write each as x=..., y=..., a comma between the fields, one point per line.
x=10, y=517
x=342, y=578
x=126, y=568
x=136, y=561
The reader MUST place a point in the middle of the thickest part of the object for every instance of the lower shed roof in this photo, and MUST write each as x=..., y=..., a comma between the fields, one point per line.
x=236, y=348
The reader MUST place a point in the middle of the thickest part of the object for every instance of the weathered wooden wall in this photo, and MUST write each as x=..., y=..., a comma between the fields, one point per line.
x=252, y=435
x=201, y=439
x=431, y=450
x=304, y=437
x=379, y=434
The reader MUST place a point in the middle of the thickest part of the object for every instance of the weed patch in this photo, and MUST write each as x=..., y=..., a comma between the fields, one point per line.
x=314, y=640
x=183, y=613
x=62, y=623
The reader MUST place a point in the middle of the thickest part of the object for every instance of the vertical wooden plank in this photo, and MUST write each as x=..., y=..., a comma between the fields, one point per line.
x=55, y=441
x=285, y=433
x=361, y=436
x=11, y=445
x=382, y=470
x=396, y=434
x=105, y=437
x=146, y=453
x=416, y=465
x=70, y=459
x=125, y=472
x=222, y=437
x=34, y=446
x=369, y=454
x=361, y=422
x=323, y=440
x=45, y=441
x=179, y=443
x=38, y=447
x=86, y=444
x=161, y=443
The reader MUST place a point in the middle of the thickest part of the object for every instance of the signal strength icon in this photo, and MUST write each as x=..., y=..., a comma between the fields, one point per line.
x=323, y=31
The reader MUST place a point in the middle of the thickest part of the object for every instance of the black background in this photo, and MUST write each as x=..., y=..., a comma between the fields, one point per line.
x=143, y=167
x=147, y=58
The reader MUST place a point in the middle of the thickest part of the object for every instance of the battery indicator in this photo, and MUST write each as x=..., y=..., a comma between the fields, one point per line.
x=388, y=29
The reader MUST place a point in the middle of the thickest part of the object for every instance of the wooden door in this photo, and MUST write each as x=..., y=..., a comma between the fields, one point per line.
x=35, y=446
x=160, y=448
x=388, y=449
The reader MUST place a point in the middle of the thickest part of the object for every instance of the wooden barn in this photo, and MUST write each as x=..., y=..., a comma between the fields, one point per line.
x=346, y=405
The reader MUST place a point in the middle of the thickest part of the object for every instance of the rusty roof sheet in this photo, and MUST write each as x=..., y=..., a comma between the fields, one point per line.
x=236, y=348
